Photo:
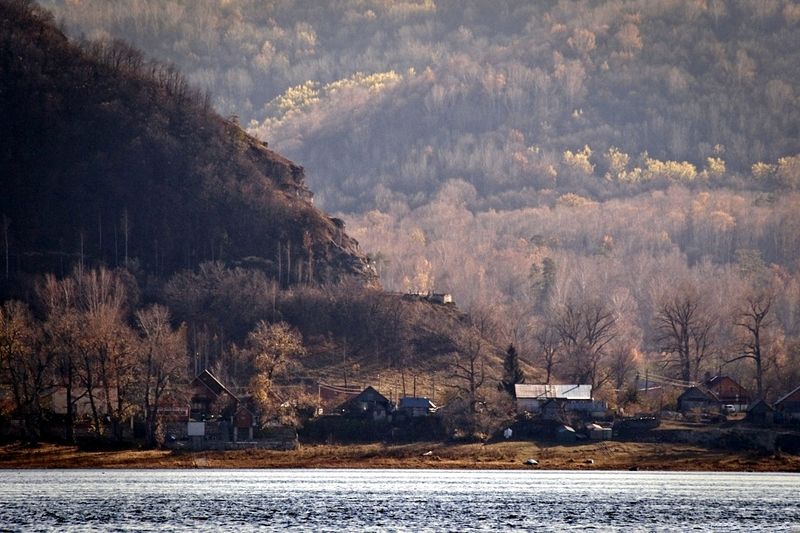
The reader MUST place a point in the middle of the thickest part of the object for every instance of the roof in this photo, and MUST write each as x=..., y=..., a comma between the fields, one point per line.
x=409, y=402
x=546, y=392
x=213, y=384
x=787, y=396
x=721, y=385
x=699, y=392
x=368, y=395
x=760, y=406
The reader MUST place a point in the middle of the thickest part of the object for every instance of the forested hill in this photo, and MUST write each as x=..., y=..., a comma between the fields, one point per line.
x=109, y=158
x=384, y=101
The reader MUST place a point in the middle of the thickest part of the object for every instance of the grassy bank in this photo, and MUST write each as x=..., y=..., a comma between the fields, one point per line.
x=608, y=455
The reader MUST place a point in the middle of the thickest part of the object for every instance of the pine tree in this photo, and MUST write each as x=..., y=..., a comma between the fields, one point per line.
x=512, y=373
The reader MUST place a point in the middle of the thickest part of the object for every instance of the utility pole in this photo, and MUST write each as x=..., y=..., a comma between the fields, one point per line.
x=125, y=232
x=80, y=268
x=5, y=238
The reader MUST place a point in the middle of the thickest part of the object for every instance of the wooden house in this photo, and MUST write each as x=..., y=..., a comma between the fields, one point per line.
x=416, y=407
x=369, y=403
x=210, y=399
x=787, y=408
x=729, y=392
x=698, y=398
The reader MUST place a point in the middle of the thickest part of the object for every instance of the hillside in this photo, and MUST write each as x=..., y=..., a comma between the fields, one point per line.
x=109, y=158
x=563, y=168
x=146, y=239
x=546, y=162
x=386, y=101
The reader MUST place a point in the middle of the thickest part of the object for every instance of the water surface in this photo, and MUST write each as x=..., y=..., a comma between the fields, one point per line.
x=395, y=500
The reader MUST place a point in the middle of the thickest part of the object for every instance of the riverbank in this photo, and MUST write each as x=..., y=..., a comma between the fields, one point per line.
x=608, y=455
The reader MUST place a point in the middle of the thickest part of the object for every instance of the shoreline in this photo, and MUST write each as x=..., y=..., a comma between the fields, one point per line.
x=509, y=455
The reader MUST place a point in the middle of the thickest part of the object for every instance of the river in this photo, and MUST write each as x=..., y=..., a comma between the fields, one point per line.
x=395, y=500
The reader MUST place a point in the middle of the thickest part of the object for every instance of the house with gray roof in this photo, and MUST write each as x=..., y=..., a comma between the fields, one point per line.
x=550, y=400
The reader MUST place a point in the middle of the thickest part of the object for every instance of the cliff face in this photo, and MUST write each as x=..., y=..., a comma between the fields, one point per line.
x=109, y=158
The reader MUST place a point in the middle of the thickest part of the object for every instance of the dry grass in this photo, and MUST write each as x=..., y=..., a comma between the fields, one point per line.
x=609, y=455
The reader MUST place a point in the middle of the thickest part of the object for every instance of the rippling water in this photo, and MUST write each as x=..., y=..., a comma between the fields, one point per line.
x=377, y=500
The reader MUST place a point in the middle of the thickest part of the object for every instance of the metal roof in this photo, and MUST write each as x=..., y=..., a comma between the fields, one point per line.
x=547, y=392
x=785, y=396
x=410, y=402
x=213, y=384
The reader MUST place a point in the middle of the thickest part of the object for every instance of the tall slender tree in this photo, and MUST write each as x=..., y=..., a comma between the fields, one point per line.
x=512, y=373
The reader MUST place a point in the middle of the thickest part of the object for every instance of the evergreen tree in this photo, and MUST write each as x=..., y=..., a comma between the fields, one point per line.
x=512, y=373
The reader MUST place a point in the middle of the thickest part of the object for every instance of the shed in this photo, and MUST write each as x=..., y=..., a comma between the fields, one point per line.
x=760, y=413
x=698, y=398
x=243, y=423
x=440, y=298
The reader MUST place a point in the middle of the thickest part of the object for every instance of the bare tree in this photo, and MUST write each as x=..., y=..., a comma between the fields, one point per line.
x=61, y=333
x=685, y=332
x=468, y=376
x=586, y=329
x=162, y=364
x=108, y=345
x=754, y=319
x=25, y=367
x=622, y=363
x=469, y=371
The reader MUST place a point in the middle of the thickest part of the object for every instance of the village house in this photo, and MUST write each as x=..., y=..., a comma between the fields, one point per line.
x=211, y=399
x=729, y=392
x=551, y=401
x=787, y=408
x=698, y=398
x=221, y=420
x=369, y=403
x=416, y=407
x=212, y=408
